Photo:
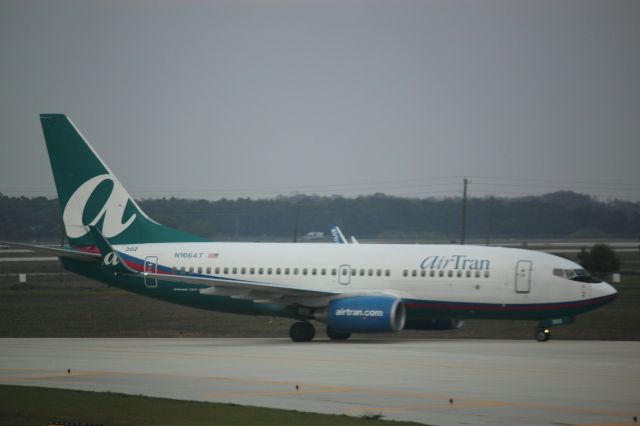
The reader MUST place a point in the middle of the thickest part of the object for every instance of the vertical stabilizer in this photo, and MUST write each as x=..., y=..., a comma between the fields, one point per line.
x=90, y=194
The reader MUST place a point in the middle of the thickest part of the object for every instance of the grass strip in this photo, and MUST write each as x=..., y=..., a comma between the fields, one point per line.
x=28, y=406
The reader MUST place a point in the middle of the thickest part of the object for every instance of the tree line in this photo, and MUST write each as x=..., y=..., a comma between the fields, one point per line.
x=556, y=215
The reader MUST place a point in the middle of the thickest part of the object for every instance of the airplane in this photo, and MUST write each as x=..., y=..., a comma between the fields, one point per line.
x=338, y=237
x=351, y=288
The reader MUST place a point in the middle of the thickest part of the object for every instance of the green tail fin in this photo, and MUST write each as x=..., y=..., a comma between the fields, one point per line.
x=90, y=194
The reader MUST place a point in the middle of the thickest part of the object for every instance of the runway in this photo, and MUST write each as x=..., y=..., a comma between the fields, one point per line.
x=489, y=382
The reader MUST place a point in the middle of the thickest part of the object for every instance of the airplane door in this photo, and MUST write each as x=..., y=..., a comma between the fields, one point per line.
x=523, y=276
x=344, y=274
x=151, y=266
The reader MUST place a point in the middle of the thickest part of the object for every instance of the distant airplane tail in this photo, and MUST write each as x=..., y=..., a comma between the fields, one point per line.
x=336, y=235
x=90, y=194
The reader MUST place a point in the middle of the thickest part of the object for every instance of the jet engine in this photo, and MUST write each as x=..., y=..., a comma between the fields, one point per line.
x=365, y=314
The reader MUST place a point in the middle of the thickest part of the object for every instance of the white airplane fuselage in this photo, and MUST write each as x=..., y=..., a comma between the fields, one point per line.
x=476, y=281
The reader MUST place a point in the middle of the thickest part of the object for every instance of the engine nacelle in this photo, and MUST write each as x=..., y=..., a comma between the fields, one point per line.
x=434, y=324
x=366, y=314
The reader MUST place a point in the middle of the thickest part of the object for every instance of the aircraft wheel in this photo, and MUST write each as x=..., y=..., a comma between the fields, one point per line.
x=302, y=331
x=337, y=335
x=542, y=334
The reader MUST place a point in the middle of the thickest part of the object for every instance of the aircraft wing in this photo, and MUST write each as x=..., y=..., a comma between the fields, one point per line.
x=257, y=291
x=57, y=251
x=251, y=290
x=239, y=289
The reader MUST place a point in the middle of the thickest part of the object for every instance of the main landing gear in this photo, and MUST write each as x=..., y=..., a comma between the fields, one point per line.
x=337, y=335
x=542, y=334
x=302, y=331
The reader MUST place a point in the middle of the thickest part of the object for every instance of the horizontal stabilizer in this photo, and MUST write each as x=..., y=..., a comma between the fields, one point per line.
x=68, y=253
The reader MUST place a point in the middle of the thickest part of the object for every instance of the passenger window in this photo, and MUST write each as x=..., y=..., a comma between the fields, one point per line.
x=208, y=270
x=370, y=272
x=362, y=272
x=414, y=273
x=432, y=273
x=450, y=273
x=379, y=272
x=459, y=273
x=234, y=270
x=477, y=274
x=286, y=271
x=269, y=270
x=387, y=272
x=486, y=274
x=354, y=272
x=226, y=270
x=345, y=271
x=199, y=269
x=441, y=273
x=243, y=270
x=182, y=269
x=278, y=270
x=323, y=271
x=173, y=269
x=423, y=273
x=252, y=271
x=405, y=273
x=314, y=271
x=333, y=272
x=295, y=271
x=468, y=273
x=191, y=269
x=260, y=271
x=304, y=271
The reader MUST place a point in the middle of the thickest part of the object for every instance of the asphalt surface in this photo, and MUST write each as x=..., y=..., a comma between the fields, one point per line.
x=441, y=382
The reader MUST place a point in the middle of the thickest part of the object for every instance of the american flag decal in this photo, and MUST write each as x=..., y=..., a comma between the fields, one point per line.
x=213, y=255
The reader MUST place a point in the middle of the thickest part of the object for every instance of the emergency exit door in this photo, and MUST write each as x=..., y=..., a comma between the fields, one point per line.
x=344, y=274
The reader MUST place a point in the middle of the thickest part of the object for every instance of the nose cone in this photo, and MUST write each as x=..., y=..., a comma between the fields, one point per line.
x=604, y=291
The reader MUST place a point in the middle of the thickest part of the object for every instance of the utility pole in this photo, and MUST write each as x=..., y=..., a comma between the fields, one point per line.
x=296, y=222
x=487, y=240
x=464, y=211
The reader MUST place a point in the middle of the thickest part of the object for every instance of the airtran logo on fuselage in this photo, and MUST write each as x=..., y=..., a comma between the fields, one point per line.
x=112, y=211
x=111, y=259
x=455, y=262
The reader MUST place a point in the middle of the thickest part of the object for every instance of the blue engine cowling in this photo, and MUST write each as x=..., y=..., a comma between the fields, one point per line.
x=366, y=314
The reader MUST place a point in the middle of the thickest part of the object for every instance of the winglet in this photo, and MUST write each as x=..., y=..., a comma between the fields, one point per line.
x=110, y=257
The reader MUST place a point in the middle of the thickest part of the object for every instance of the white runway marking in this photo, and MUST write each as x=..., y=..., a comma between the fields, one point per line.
x=490, y=382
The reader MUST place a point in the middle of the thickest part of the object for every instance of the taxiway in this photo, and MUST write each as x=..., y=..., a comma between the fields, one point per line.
x=441, y=382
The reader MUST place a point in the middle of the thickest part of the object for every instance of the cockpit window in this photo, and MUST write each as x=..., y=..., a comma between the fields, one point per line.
x=580, y=275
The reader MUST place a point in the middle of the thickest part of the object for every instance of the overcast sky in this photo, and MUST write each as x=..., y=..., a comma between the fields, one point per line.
x=263, y=97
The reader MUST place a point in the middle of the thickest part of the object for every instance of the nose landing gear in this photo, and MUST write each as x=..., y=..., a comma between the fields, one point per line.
x=542, y=334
